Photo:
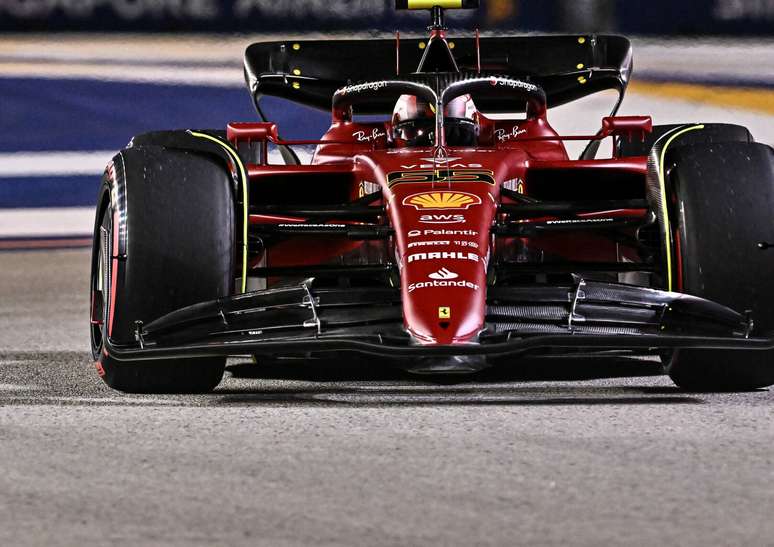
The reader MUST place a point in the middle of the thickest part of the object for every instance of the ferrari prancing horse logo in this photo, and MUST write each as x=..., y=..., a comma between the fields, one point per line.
x=442, y=200
x=444, y=312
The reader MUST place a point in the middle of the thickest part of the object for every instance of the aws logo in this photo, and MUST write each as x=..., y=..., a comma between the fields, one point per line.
x=429, y=176
x=442, y=219
x=442, y=200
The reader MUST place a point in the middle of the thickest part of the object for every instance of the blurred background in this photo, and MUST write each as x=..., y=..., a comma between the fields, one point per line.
x=78, y=78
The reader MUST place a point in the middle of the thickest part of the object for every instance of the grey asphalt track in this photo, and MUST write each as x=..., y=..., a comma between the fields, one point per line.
x=568, y=452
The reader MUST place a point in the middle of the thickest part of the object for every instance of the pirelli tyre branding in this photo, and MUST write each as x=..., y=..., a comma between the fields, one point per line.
x=435, y=201
x=453, y=175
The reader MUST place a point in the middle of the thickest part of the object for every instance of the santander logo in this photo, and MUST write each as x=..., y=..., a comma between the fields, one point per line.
x=443, y=273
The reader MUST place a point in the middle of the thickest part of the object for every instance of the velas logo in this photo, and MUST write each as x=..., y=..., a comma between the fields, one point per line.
x=442, y=200
x=446, y=163
x=443, y=273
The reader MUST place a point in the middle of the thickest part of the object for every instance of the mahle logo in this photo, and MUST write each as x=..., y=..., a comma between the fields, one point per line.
x=454, y=255
x=442, y=200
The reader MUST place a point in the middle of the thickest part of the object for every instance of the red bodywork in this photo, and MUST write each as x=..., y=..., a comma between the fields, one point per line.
x=442, y=209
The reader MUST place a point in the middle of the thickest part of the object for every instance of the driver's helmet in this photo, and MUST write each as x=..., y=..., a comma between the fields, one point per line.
x=413, y=122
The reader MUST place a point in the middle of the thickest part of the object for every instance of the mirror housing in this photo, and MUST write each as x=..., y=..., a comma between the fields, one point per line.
x=627, y=126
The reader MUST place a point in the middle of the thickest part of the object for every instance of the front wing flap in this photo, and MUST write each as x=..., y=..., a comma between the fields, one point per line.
x=302, y=320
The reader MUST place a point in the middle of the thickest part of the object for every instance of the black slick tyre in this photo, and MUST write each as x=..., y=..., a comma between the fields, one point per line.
x=164, y=238
x=722, y=199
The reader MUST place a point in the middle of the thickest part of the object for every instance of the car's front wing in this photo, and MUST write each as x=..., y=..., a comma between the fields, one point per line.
x=304, y=321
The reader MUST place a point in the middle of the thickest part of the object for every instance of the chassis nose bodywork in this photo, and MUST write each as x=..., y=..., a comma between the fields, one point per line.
x=442, y=239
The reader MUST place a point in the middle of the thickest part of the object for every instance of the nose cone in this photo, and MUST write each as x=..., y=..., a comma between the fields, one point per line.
x=444, y=293
x=443, y=246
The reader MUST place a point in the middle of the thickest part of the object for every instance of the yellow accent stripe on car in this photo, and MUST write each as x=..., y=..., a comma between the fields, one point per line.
x=664, y=212
x=428, y=4
x=243, y=176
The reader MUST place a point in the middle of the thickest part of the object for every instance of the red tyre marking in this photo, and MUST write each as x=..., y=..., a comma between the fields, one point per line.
x=679, y=253
x=94, y=320
x=100, y=369
x=113, y=275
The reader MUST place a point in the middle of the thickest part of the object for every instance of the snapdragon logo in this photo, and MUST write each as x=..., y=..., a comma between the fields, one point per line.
x=367, y=86
x=513, y=84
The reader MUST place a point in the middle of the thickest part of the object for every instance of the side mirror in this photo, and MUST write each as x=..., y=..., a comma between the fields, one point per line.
x=251, y=140
x=627, y=126
x=251, y=131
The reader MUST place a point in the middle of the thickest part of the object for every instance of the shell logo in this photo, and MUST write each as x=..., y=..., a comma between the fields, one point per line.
x=442, y=200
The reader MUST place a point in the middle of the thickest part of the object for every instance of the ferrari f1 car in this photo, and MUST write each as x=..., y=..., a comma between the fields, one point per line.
x=440, y=226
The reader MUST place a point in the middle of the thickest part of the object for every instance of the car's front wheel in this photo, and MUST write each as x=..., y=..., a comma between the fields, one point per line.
x=722, y=198
x=163, y=239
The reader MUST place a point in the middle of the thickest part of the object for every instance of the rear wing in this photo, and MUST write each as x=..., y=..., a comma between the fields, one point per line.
x=567, y=67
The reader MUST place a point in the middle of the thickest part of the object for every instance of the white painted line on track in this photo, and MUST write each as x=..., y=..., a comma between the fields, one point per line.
x=62, y=164
x=168, y=75
x=18, y=387
x=113, y=400
x=56, y=164
x=47, y=221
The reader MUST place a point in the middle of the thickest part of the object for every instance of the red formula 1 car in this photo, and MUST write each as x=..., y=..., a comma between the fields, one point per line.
x=444, y=235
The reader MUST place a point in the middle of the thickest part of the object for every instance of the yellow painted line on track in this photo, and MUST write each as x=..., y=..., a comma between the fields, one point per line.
x=747, y=98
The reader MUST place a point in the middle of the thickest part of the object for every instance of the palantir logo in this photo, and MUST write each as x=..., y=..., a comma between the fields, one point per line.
x=443, y=273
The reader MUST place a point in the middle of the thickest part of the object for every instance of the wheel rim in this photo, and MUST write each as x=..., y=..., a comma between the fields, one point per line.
x=99, y=280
